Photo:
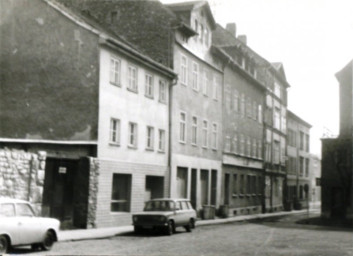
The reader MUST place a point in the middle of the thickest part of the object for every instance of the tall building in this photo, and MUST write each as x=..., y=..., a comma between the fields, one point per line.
x=84, y=116
x=180, y=37
x=337, y=158
x=244, y=98
x=297, y=190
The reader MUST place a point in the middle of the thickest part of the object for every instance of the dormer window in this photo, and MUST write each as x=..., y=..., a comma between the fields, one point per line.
x=201, y=33
x=207, y=39
x=196, y=28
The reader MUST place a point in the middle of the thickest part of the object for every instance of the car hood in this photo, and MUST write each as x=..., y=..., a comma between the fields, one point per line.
x=152, y=213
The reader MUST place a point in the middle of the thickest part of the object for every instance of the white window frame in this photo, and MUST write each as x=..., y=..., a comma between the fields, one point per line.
x=149, y=88
x=182, y=127
x=206, y=83
x=115, y=130
x=184, y=70
x=215, y=88
x=133, y=133
x=162, y=91
x=235, y=144
x=204, y=133
x=194, y=131
x=132, y=78
x=161, y=140
x=195, y=76
x=150, y=138
x=214, y=140
x=115, y=71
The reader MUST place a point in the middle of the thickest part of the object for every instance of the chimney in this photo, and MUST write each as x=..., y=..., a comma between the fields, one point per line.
x=242, y=38
x=232, y=28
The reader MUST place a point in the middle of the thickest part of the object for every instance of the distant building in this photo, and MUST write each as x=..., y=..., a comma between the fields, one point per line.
x=244, y=97
x=337, y=158
x=315, y=179
x=298, y=162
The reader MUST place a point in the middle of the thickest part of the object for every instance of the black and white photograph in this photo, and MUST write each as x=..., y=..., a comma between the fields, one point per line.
x=176, y=127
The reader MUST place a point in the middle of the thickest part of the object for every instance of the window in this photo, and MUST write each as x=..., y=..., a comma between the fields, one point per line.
x=7, y=210
x=201, y=33
x=183, y=70
x=194, y=131
x=149, y=85
x=292, y=138
x=195, y=76
x=248, y=108
x=307, y=143
x=182, y=127
x=207, y=39
x=277, y=117
x=306, y=167
x=132, y=78
x=259, y=115
x=115, y=131
x=254, y=108
x=150, y=137
x=301, y=141
x=277, y=90
x=162, y=91
x=254, y=148
x=259, y=148
x=241, y=187
x=24, y=210
x=235, y=144
x=248, y=184
x=242, y=105
x=205, y=84
x=276, y=152
x=248, y=146
x=227, y=144
x=196, y=28
x=236, y=101
x=161, y=141
x=121, y=193
x=215, y=88
x=242, y=144
x=133, y=135
x=214, y=136
x=204, y=133
x=235, y=184
x=114, y=71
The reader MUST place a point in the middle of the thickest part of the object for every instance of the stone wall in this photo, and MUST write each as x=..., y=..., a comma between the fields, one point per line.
x=22, y=175
x=93, y=192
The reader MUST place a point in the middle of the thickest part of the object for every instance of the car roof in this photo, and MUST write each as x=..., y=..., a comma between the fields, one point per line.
x=169, y=199
x=11, y=200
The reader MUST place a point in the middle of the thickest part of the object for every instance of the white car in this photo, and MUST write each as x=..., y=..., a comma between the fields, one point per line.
x=20, y=226
x=165, y=214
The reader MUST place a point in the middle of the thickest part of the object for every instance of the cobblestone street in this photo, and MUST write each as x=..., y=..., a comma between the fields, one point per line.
x=274, y=236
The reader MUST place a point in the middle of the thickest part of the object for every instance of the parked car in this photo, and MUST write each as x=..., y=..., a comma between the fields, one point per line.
x=165, y=214
x=20, y=226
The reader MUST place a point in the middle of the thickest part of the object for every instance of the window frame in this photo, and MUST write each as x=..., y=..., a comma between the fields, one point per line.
x=149, y=87
x=117, y=131
x=150, y=138
x=161, y=140
x=214, y=137
x=128, y=192
x=117, y=73
x=133, y=134
x=195, y=76
x=132, y=84
x=184, y=70
x=182, y=127
x=162, y=91
x=205, y=133
x=194, y=130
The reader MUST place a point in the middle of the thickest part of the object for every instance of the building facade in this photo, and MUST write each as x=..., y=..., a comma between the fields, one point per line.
x=315, y=180
x=337, y=168
x=243, y=98
x=101, y=137
x=298, y=182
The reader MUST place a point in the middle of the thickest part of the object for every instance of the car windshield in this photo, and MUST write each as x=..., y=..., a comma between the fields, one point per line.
x=162, y=205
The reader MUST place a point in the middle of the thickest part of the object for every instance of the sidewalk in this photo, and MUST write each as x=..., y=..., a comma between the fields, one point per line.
x=86, y=234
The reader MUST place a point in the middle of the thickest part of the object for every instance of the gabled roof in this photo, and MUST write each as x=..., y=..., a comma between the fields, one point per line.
x=193, y=5
x=346, y=71
x=279, y=67
x=290, y=114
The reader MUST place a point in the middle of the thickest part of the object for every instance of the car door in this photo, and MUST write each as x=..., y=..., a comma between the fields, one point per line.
x=9, y=222
x=28, y=224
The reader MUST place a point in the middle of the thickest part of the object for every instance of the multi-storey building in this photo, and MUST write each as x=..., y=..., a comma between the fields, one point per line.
x=337, y=160
x=298, y=162
x=315, y=180
x=179, y=36
x=85, y=114
x=243, y=97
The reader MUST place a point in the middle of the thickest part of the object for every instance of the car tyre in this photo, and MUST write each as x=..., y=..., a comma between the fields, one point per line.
x=4, y=245
x=138, y=229
x=192, y=223
x=36, y=247
x=48, y=241
x=188, y=227
x=170, y=228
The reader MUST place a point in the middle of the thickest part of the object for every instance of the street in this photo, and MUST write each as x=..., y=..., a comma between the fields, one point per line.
x=273, y=236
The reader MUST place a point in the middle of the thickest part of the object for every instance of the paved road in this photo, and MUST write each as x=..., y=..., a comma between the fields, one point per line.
x=275, y=236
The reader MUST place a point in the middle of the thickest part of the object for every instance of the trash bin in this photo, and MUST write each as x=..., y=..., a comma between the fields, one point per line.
x=223, y=211
x=208, y=212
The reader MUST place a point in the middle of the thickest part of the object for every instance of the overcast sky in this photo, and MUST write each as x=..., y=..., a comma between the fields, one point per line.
x=312, y=38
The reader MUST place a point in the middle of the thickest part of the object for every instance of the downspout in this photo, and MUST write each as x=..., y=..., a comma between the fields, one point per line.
x=170, y=104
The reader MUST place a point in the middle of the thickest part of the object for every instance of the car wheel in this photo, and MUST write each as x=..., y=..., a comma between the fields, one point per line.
x=192, y=223
x=170, y=228
x=48, y=241
x=4, y=245
x=35, y=247
x=137, y=229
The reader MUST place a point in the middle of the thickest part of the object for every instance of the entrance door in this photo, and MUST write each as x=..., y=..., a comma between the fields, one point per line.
x=60, y=175
x=193, y=187
x=182, y=182
x=226, y=188
x=213, y=187
x=154, y=187
x=204, y=187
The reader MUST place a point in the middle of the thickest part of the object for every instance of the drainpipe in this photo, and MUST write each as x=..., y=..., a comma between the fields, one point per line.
x=170, y=104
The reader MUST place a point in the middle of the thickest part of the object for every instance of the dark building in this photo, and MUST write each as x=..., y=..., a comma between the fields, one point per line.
x=337, y=158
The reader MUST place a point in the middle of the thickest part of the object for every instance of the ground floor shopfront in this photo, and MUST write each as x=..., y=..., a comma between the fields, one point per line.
x=274, y=191
x=198, y=179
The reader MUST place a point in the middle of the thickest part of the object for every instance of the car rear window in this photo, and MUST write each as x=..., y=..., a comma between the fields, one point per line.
x=7, y=210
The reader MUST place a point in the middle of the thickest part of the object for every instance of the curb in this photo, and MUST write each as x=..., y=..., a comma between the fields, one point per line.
x=101, y=233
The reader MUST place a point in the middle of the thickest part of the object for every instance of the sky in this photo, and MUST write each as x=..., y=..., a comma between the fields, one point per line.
x=313, y=39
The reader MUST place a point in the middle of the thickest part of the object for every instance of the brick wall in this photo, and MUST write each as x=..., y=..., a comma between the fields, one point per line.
x=22, y=175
